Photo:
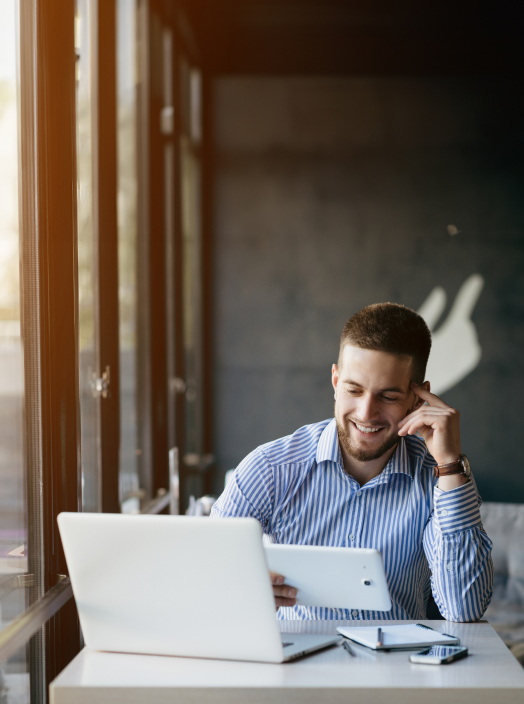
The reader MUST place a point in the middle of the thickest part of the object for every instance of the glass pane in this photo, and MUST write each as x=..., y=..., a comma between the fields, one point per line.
x=192, y=304
x=14, y=678
x=127, y=251
x=196, y=105
x=13, y=519
x=185, y=95
x=169, y=232
x=88, y=367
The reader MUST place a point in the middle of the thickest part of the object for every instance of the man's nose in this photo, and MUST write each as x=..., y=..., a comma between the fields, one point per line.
x=367, y=409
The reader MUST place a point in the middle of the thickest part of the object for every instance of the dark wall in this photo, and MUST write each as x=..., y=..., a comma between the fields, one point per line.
x=334, y=193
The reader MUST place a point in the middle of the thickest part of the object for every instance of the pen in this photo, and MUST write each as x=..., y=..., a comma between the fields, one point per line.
x=379, y=638
x=347, y=647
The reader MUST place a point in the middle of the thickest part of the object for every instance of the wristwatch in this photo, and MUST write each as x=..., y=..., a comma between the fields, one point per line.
x=461, y=466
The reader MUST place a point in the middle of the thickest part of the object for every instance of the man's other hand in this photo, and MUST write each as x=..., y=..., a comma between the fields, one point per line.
x=284, y=595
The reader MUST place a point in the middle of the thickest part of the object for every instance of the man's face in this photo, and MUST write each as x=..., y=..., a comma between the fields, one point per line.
x=372, y=394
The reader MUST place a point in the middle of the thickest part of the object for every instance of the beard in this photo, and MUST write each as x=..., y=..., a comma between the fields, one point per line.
x=344, y=438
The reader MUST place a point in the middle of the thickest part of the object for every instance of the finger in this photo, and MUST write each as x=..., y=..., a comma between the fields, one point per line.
x=276, y=578
x=412, y=428
x=418, y=423
x=430, y=414
x=435, y=421
x=446, y=412
x=284, y=591
x=427, y=396
x=425, y=410
x=281, y=601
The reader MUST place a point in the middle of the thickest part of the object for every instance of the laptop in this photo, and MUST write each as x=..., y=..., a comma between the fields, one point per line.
x=177, y=585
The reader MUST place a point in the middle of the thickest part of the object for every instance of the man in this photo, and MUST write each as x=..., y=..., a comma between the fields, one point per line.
x=367, y=478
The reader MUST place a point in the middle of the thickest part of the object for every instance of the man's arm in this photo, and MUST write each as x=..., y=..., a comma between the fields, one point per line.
x=250, y=493
x=459, y=554
x=457, y=548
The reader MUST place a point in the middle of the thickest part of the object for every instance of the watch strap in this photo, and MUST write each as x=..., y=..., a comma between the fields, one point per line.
x=445, y=470
x=449, y=464
x=448, y=472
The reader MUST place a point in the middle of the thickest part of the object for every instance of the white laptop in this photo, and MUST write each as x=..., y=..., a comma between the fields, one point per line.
x=176, y=585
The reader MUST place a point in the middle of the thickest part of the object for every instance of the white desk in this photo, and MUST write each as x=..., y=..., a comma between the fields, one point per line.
x=330, y=676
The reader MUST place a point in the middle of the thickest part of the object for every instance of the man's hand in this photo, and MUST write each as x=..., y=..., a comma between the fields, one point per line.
x=284, y=595
x=439, y=425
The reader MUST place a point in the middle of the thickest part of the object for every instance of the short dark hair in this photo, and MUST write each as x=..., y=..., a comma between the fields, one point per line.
x=392, y=328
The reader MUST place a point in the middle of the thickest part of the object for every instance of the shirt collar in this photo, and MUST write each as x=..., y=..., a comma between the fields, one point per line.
x=399, y=463
x=328, y=450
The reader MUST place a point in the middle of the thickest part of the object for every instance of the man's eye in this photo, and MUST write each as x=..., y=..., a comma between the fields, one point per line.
x=388, y=398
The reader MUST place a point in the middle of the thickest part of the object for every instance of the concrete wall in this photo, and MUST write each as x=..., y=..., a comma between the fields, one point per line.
x=334, y=193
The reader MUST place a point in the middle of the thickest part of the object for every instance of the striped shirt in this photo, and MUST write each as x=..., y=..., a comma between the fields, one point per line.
x=429, y=539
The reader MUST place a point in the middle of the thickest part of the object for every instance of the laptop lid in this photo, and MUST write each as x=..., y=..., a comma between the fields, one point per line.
x=172, y=585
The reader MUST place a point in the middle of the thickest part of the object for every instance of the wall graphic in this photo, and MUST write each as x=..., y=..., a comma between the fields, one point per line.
x=456, y=350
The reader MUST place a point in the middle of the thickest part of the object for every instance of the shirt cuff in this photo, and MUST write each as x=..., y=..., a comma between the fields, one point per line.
x=458, y=509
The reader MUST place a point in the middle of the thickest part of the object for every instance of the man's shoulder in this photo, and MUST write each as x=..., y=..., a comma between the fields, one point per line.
x=299, y=447
x=418, y=452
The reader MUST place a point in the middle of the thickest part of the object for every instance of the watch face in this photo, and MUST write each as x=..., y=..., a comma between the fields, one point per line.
x=467, y=468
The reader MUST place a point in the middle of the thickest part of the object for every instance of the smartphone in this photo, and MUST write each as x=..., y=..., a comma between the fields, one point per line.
x=439, y=655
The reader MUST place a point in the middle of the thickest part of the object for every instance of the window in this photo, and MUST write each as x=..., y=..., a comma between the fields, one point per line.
x=195, y=458
x=14, y=676
x=101, y=303
x=86, y=148
x=130, y=450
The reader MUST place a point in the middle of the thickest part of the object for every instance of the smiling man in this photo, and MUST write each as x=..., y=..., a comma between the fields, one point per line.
x=387, y=473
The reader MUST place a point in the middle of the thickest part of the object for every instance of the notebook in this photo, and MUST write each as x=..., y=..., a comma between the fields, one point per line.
x=404, y=637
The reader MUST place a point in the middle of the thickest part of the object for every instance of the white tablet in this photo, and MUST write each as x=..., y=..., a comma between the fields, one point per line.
x=339, y=578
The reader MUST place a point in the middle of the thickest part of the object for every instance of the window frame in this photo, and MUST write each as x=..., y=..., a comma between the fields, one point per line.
x=49, y=292
x=49, y=312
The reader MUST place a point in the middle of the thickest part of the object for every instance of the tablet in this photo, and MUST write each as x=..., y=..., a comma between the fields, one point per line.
x=339, y=578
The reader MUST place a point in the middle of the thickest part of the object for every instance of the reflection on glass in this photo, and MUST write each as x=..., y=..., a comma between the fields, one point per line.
x=86, y=260
x=192, y=301
x=191, y=100
x=14, y=678
x=185, y=95
x=13, y=519
x=169, y=230
x=191, y=204
x=196, y=104
x=127, y=250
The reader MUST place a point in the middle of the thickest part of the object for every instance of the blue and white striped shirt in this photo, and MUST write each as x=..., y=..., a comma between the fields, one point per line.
x=429, y=539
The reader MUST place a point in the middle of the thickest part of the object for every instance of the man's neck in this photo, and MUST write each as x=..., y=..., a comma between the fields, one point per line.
x=364, y=472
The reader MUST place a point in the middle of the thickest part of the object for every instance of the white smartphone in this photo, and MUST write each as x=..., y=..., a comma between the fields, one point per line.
x=439, y=655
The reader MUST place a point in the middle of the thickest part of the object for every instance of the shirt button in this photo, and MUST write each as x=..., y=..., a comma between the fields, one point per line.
x=449, y=567
x=354, y=614
x=352, y=537
x=444, y=512
x=358, y=494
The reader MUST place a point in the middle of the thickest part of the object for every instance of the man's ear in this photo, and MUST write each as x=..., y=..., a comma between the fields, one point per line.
x=334, y=376
x=419, y=401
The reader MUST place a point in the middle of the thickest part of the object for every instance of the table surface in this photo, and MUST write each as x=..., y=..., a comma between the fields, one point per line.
x=489, y=665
